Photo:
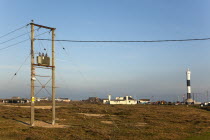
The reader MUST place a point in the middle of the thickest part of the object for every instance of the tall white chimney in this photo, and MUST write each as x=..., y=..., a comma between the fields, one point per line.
x=126, y=99
x=109, y=97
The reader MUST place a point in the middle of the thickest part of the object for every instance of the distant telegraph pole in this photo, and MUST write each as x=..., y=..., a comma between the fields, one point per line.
x=42, y=64
x=32, y=74
x=53, y=76
x=183, y=98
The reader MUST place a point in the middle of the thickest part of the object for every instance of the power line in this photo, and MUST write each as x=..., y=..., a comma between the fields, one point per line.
x=140, y=41
x=20, y=66
x=14, y=31
x=16, y=37
x=13, y=38
x=21, y=41
x=77, y=68
x=13, y=44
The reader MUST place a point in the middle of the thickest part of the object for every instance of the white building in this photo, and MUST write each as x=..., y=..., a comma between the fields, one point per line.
x=144, y=101
x=120, y=100
x=42, y=99
x=63, y=99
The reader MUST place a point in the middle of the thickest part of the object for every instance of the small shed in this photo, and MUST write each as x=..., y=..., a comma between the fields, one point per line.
x=144, y=101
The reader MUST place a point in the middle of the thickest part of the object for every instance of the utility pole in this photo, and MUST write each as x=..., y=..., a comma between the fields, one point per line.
x=196, y=96
x=53, y=77
x=207, y=96
x=32, y=74
x=33, y=65
x=183, y=98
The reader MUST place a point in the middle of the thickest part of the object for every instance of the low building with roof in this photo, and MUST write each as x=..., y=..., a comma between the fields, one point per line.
x=15, y=100
x=144, y=101
x=120, y=100
x=38, y=99
x=94, y=100
x=63, y=99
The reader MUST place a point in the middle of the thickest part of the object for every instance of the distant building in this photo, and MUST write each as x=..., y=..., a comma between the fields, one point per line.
x=161, y=102
x=93, y=100
x=120, y=100
x=42, y=99
x=15, y=97
x=63, y=99
x=15, y=100
x=144, y=101
x=1, y=100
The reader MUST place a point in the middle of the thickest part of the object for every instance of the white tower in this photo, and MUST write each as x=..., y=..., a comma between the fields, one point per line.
x=188, y=74
x=109, y=97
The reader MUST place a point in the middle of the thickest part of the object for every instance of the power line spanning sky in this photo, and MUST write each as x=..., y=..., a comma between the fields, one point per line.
x=98, y=69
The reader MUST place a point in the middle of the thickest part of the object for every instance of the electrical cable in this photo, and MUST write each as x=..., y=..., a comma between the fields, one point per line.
x=16, y=37
x=20, y=42
x=63, y=48
x=40, y=43
x=14, y=31
x=77, y=68
x=13, y=38
x=140, y=41
x=13, y=44
x=20, y=66
x=28, y=32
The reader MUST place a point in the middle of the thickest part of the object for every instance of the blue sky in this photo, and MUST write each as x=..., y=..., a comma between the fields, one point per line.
x=98, y=69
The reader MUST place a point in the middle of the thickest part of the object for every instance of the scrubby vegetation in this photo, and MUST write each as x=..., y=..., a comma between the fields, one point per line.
x=93, y=121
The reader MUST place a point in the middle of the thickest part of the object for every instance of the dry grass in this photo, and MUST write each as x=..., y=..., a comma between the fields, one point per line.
x=92, y=121
x=36, y=107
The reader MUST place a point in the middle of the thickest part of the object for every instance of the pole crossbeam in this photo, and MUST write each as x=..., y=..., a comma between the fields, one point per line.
x=43, y=65
x=42, y=26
